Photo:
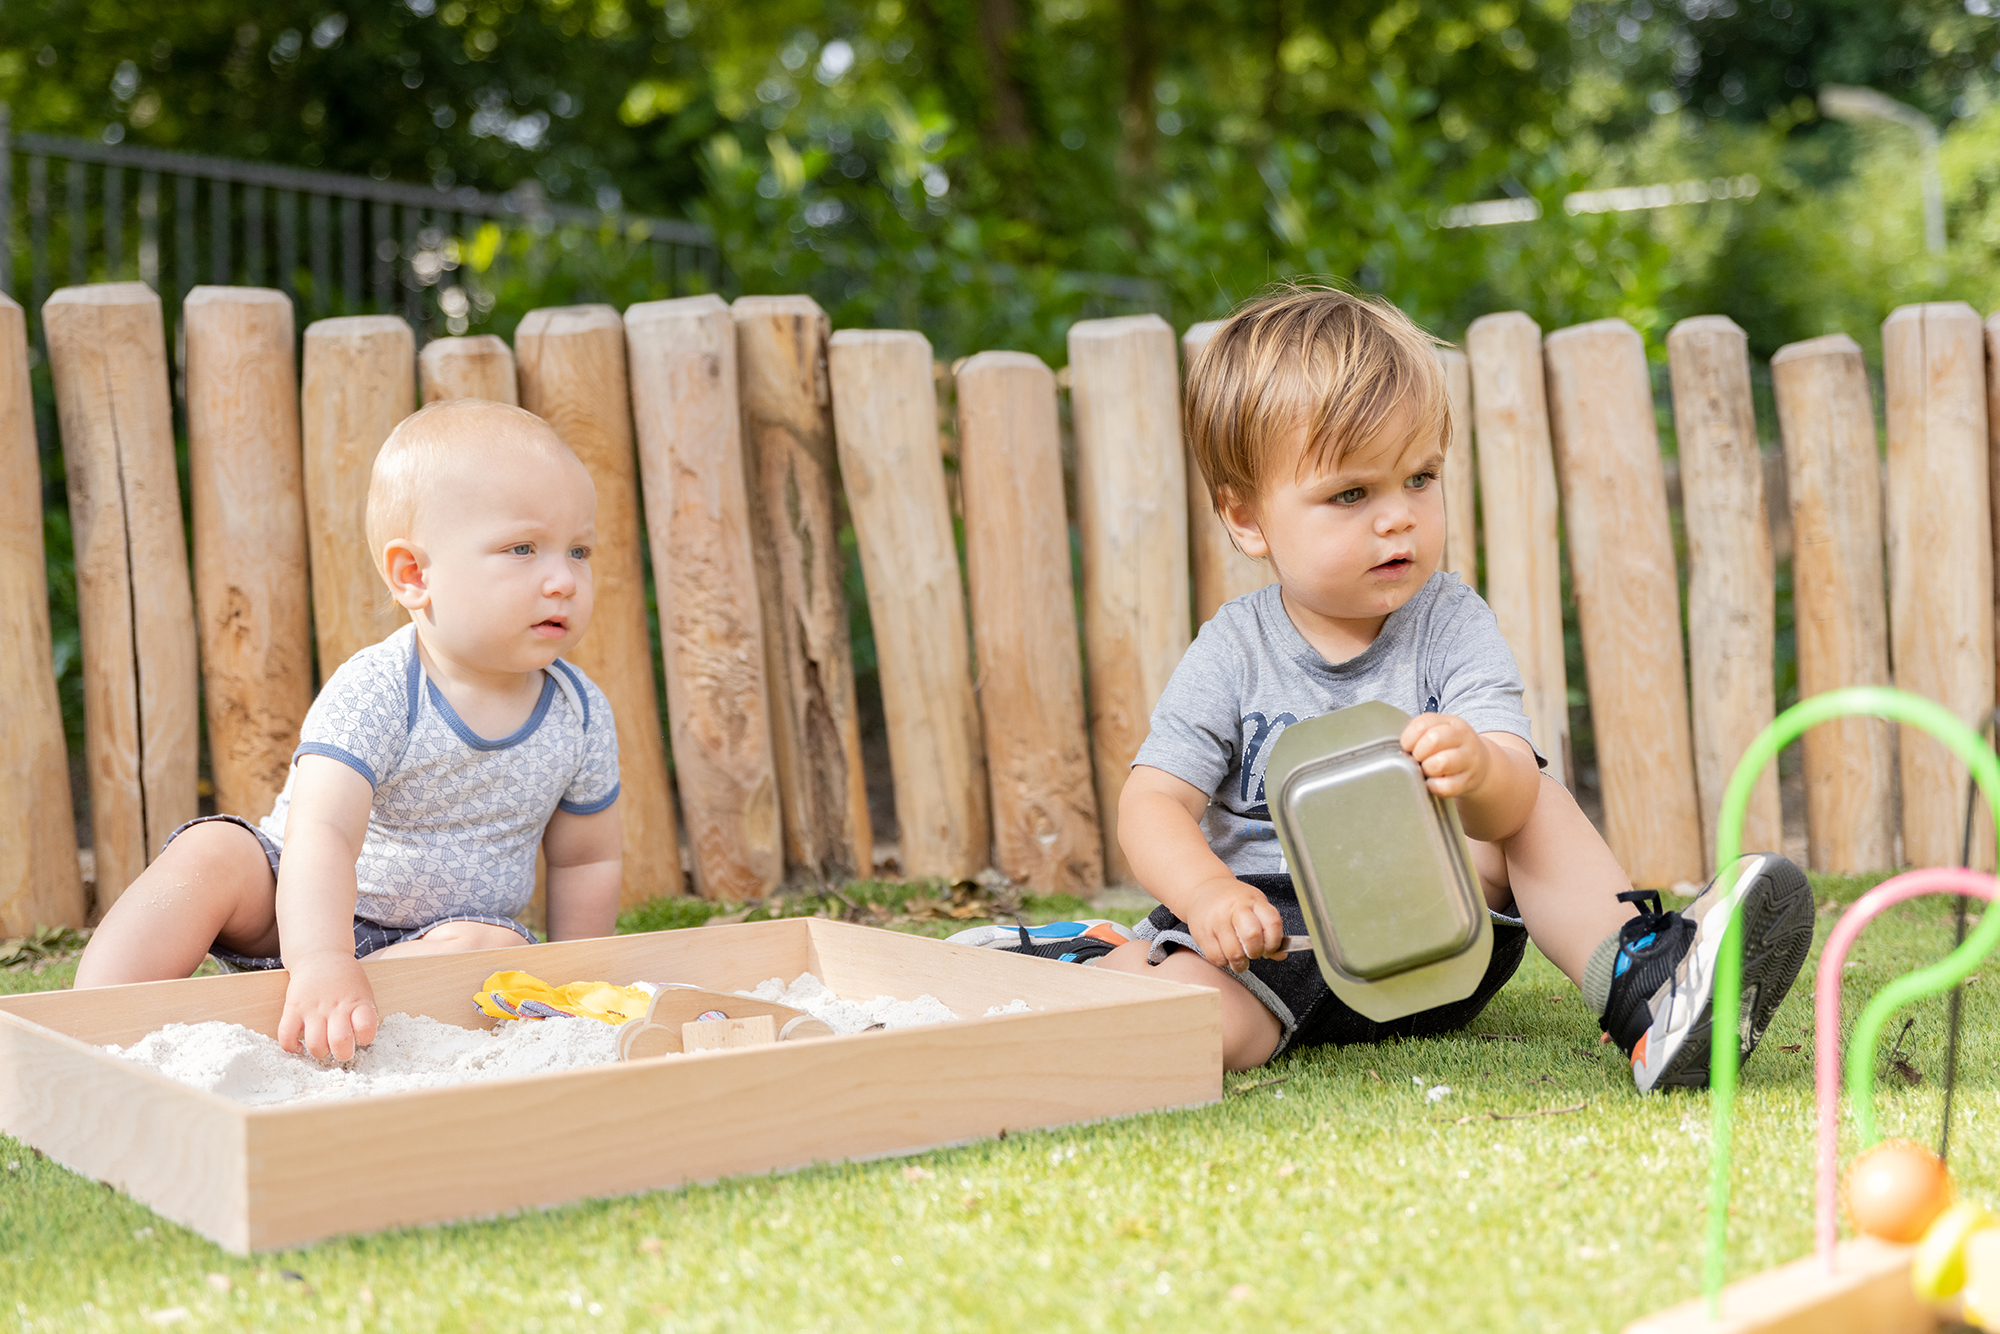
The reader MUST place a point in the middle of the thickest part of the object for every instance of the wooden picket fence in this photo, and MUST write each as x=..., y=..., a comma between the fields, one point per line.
x=718, y=435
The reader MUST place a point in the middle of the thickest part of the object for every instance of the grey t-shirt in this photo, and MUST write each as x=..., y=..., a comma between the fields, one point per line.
x=1250, y=674
x=457, y=816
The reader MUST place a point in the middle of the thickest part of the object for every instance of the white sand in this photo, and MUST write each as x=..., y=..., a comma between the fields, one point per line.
x=409, y=1052
x=416, y=1052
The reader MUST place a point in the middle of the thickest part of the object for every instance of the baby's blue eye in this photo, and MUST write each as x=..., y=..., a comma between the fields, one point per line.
x=521, y=549
x=579, y=553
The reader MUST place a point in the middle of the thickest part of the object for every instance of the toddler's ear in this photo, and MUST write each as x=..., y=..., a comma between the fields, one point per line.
x=1239, y=516
x=403, y=569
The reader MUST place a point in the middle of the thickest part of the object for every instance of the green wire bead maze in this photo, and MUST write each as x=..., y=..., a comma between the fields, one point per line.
x=1864, y=1285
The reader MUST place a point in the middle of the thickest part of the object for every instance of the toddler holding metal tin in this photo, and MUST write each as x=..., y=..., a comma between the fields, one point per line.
x=431, y=766
x=1320, y=421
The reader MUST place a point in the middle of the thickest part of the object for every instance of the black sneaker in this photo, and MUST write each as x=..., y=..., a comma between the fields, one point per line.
x=1067, y=942
x=1661, y=986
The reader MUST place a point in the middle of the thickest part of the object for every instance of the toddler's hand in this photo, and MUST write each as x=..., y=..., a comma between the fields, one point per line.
x=329, y=1007
x=1233, y=923
x=1452, y=755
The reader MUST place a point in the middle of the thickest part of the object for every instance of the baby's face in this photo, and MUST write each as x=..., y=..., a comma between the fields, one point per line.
x=1356, y=542
x=507, y=578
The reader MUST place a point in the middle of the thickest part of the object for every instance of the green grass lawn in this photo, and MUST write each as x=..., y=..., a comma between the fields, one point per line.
x=1323, y=1192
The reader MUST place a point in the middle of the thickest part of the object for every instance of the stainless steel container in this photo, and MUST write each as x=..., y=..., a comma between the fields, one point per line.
x=1382, y=868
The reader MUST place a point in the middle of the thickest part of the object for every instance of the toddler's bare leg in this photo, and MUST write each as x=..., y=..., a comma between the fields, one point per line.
x=452, y=938
x=1561, y=877
x=1250, y=1032
x=212, y=885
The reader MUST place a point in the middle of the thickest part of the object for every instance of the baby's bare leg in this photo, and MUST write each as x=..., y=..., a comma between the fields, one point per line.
x=1250, y=1032
x=1561, y=877
x=452, y=938
x=212, y=885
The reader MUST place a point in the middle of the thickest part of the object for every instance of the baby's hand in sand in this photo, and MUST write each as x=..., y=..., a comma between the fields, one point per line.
x=1233, y=923
x=1452, y=755
x=329, y=1007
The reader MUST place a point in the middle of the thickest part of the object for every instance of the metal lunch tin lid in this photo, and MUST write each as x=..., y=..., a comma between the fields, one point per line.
x=1382, y=868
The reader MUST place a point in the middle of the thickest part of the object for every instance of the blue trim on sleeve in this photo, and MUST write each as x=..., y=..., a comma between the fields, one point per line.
x=332, y=752
x=478, y=742
x=576, y=681
x=589, y=807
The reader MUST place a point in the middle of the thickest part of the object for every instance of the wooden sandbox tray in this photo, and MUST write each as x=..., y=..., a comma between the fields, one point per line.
x=263, y=1178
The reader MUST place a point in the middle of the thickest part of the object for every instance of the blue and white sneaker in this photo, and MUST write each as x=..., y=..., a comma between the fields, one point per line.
x=1661, y=986
x=1083, y=941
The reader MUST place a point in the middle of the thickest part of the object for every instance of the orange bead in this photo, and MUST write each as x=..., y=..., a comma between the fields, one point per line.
x=1896, y=1190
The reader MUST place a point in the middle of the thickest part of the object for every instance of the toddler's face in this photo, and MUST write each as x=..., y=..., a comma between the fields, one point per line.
x=507, y=586
x=1357, y=542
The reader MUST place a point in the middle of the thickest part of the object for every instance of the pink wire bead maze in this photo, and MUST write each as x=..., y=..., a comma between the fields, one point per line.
x=1826, y=1012
x=1964, y=745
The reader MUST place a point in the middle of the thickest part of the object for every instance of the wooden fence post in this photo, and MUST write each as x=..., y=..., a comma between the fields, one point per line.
x=39, y=883
x=1732, y=625
x=1221, y=572
x=108, y=359
x=1045, y=828
x=1839, y=604
x=359, y=380
x=248, y=497
x=1517, y=485
x=788, y=459
x=1621, y=546
x=885, y=421
x=684, y=400
x=1132, y=498
x=1461, y=522
x=480, y=366
x=1991, y=329
x=1940, y=556
x=572, y=376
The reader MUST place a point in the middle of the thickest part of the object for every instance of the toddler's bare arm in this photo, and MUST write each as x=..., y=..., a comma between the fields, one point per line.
x=586, y=867
x=1159, y=828
x=329, y=1006
x=1493, y=774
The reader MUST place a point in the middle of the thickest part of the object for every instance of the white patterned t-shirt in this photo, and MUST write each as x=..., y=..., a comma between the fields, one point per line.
x=456, y=817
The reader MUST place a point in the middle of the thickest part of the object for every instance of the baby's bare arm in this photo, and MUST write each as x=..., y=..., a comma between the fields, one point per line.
x=586, y=869
x=1493, y=774
x=329, y=1006
x=1159, y=827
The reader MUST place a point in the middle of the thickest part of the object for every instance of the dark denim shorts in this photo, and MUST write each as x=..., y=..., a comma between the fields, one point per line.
x=1306, y=1008
x=368, y=936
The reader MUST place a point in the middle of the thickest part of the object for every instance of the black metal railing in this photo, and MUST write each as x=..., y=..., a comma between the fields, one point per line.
x=337, y=244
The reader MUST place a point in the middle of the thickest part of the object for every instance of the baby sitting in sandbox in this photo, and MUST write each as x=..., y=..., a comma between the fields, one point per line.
x=431, y=765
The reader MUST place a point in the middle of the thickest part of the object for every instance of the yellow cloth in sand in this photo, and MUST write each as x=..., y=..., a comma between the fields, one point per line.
x=515, y=995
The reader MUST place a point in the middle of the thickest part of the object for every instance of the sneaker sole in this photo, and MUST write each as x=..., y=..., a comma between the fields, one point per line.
x=1776, y=918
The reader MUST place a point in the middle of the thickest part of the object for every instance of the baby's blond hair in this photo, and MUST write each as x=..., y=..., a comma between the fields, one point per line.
x=430, y=443
x=1308, y=355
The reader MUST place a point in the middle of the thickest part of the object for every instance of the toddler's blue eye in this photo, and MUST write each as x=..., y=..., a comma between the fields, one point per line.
x=1352, y=496
x=521, y=549
x=1421, y=480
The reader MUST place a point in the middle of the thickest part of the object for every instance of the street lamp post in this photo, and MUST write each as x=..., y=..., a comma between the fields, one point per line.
x=1842, y=102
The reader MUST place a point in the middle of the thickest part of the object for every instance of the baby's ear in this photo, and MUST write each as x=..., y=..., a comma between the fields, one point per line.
x=1239, y=516
x=402, y=569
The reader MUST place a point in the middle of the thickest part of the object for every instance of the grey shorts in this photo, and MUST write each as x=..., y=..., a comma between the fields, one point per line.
x=368, y=936
x=1306, y=1008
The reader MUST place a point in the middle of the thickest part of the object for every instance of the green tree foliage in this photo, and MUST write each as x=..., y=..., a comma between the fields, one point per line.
x=957, y=164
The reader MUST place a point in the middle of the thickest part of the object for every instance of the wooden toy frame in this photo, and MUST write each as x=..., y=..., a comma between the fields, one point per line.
x=1099, y=1044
